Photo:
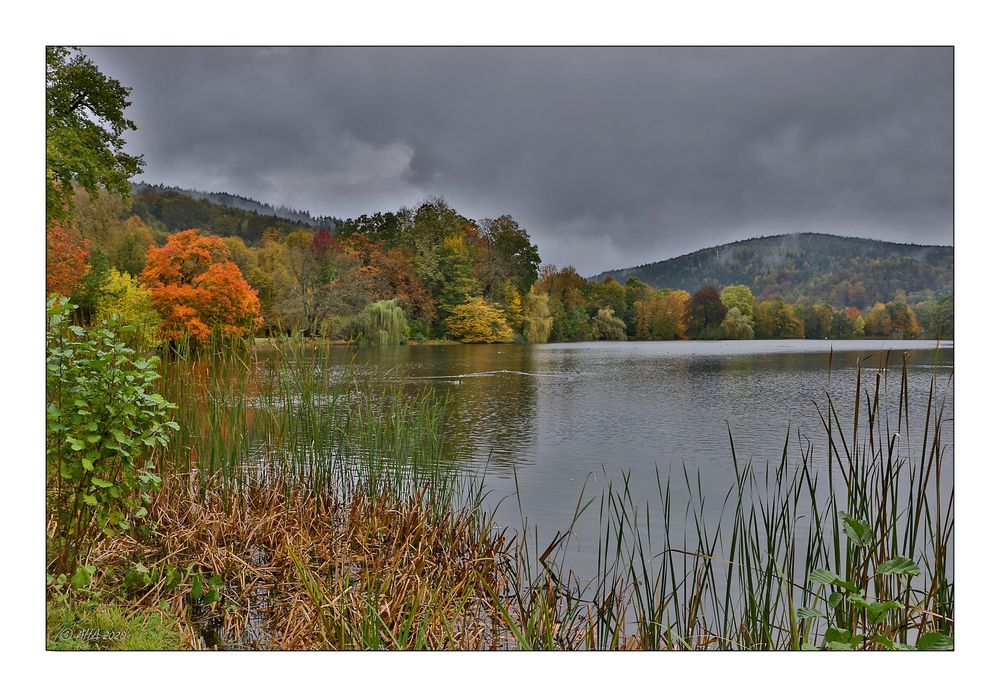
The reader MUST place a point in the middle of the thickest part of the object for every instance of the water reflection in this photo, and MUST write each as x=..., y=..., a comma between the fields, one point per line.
x=565, y=414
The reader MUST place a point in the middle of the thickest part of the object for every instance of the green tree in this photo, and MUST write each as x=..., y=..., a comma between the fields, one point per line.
x=507, y=255
x=740, y=297
x=942, y=319
x=84, y=126
x=382, y=323
x=458, y=281
x=607, y=293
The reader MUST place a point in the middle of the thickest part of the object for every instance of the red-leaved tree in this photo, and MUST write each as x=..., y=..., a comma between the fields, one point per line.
x=66, y=255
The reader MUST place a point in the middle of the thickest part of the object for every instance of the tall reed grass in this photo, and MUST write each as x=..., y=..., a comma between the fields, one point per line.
x=808, y=552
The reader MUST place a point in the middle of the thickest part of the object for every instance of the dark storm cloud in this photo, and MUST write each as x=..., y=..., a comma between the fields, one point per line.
x=609, y=157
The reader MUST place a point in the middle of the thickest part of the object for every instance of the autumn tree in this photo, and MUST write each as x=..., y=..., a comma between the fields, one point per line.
x=775, y=319
x=903, y=322
x=387, y=274
x=197, y=290
x=877, y=321
x=506, y=255
x=123, y=297
x=479, y=322
x=66, y=255
x=660, y=315
x=323, y=279
x=84, y=132
x=607, y=326
x=704, y=313
x=537, y=322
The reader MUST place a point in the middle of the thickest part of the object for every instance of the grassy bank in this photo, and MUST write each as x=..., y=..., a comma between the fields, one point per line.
x=304, y=506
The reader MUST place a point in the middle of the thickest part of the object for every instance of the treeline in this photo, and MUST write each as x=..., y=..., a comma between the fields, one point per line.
x=426, y=272
x=810, y=268
x=422, y=273
x=582, y=309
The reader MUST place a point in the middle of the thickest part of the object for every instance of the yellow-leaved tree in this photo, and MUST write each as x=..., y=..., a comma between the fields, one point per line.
x=479, y=322
x=124, y=297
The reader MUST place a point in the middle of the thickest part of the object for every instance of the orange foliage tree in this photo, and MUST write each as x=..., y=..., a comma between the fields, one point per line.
x=198, y=290
x=66, y=254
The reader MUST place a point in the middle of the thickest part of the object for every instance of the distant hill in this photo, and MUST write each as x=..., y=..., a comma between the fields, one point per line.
x=843, y=271
x=171, y=208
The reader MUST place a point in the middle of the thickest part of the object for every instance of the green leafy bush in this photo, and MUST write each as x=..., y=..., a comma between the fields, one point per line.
x=103, y=421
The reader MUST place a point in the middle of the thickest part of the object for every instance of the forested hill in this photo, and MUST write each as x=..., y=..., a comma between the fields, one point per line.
x=808, y=267
x=170, y=209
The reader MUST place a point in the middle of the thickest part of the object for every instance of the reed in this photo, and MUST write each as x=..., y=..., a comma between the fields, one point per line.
x=813, y=551
x=340, y=502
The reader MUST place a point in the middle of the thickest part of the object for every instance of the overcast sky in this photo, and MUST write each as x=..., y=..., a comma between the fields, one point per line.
x=610, y=157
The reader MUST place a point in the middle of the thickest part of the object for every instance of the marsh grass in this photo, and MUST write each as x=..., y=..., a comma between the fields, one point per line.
x=336, y=515
x=799, y=558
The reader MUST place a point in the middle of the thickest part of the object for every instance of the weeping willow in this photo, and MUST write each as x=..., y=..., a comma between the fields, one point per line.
x=381, y=323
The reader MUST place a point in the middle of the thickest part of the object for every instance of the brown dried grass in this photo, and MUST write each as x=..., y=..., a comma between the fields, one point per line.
x=304, y=570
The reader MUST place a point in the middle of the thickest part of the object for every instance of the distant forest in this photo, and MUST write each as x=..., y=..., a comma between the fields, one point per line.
x=172, y=209
x=808, y=268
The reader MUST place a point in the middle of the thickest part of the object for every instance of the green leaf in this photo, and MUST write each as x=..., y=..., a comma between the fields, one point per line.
x=857, y=531
x=935, y=641
x=898, y=565
x=829, y=578
x=877, y=612
x=82, y=576
x=890, y=644
x=90, y=499
x=809, y=613
x=103, y=483
x=196, y=588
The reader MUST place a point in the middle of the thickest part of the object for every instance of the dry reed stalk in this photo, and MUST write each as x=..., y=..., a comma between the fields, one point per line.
x=415, y=575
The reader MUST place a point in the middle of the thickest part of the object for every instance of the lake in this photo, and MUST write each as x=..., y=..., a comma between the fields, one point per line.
x=565, y=415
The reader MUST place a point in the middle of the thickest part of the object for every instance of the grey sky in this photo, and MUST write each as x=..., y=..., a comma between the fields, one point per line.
x=609, y=157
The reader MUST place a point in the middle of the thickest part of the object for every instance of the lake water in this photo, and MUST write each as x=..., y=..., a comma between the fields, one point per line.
x=563, y=415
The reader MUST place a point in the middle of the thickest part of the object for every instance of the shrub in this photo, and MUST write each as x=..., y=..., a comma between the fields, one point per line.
x=103, y=421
